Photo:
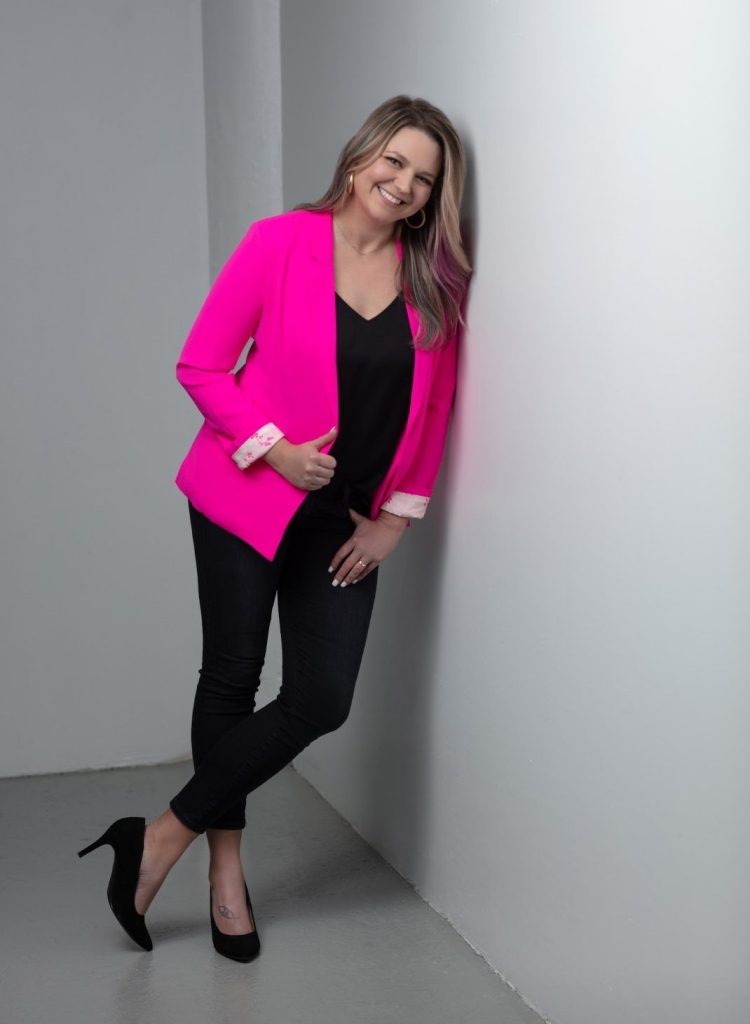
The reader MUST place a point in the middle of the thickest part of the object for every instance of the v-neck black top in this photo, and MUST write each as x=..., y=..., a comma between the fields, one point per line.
x=375, y=364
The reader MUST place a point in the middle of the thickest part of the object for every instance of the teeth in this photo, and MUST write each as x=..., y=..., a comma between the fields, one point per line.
x=391, y=199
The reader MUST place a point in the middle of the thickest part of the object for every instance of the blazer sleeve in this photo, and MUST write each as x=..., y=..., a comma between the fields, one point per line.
x=228, y=317
x=416, y=486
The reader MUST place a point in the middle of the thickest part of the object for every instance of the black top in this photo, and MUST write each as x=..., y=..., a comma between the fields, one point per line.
x=375, y=363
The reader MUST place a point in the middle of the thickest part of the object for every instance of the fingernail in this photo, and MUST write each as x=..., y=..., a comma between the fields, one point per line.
x=330, y=568
x=334, y=583
x=343, y=584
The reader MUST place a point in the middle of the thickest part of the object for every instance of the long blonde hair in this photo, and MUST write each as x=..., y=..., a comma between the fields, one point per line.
x=434, y=271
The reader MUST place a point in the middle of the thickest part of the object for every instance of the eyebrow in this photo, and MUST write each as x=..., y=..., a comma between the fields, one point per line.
x=402, y=157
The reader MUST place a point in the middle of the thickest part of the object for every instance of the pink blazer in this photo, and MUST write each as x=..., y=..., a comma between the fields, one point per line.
x=278, y=287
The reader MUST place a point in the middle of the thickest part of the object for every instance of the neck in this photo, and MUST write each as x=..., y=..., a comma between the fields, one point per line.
x=361, y=230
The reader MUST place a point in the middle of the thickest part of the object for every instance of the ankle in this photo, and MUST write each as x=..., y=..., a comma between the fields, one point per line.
x=225, y=872
x=168, y=838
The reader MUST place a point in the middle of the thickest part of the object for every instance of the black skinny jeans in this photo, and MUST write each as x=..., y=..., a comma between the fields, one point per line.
x=323, y=632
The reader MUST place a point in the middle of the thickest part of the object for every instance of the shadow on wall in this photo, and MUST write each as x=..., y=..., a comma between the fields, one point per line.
x=409, y=599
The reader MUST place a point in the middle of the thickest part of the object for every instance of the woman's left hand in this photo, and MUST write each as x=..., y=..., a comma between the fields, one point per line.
x=372, y=541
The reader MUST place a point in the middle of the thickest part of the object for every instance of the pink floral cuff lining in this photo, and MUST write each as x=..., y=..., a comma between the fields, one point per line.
x=257, y=445
x=413, y=506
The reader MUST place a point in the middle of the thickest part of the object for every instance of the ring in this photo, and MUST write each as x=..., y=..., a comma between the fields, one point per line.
x=362, y=563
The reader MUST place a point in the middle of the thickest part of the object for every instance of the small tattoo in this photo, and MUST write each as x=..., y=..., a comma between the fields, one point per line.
x=226, y=912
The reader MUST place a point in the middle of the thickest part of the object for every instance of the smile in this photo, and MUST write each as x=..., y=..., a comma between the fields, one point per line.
x=388, y=197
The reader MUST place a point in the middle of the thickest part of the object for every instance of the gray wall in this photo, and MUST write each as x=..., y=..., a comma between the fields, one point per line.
x=241, y=55
x=549, y=732
x=105, y=263
x=104, y=256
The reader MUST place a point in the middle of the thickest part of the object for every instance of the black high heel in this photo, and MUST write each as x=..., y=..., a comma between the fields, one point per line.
x=237, y=947
x=126, y=837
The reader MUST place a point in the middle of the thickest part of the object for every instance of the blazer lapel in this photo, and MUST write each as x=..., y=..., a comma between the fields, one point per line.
x=423, y=362
x=320, y=287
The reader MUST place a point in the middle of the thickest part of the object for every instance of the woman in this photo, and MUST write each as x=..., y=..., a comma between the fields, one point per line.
x=354, y=305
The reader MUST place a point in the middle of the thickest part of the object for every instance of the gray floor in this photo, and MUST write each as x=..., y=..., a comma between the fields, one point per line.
x=345, y=940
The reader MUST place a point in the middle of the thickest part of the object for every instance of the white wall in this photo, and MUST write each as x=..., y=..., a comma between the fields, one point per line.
x=104, y=255
x=549, y=732
x=105, y=263
x=241, y=54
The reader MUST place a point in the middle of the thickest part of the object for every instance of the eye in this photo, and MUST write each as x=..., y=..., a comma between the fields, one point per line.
x=421, y=176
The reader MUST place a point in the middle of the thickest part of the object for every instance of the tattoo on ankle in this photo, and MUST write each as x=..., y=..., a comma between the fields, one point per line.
x=226, y=912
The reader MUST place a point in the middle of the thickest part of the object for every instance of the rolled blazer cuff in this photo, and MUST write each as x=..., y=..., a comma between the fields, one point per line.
x=257, y=445
x=412, y=506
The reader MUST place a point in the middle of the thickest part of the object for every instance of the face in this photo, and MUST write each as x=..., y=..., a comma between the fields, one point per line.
x=407, y=170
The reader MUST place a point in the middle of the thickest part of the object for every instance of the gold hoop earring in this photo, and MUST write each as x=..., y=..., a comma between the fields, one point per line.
x=424, y=220
x=350, y=182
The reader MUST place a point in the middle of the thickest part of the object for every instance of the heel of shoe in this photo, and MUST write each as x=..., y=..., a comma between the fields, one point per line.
x=103, y=840
x=126, y=836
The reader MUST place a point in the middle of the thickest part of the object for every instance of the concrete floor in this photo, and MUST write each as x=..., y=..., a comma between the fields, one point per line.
x=345, y=940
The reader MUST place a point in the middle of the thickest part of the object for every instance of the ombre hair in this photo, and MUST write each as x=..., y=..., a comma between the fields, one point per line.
x=434, y=271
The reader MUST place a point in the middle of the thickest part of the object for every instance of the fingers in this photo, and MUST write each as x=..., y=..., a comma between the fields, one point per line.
x=318, y=475
x=316, y=478
x=352, y=566
x=366, y=572
x=360, y=570
x=319, y=459
x=337, y=562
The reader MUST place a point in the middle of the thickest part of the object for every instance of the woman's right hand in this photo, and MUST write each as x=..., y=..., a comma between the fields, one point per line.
x=303, y=464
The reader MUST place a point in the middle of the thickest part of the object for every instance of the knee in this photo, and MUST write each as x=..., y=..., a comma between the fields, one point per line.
x=333, y=715
x=229, y=679
x=310, y=721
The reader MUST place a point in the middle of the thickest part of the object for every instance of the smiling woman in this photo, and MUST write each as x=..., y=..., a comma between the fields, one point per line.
x=390, y=182
x=353, y=303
